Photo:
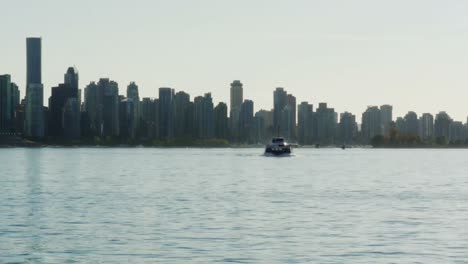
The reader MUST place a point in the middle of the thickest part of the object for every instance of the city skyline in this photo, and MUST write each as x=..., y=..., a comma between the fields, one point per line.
x=396, y=59
x=101, y=111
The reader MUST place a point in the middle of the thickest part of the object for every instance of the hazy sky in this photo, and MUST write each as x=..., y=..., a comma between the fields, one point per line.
x=412, y=54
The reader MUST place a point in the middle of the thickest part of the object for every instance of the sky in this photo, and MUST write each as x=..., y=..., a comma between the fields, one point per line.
x=412, y=54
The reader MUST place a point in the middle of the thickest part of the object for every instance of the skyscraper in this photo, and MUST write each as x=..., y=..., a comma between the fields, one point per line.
x=325, y=124
x=133, y=94
x=411, y=123
x=305, y=121
x=182, y=122
x=426, y=127
x=386, y=117
x=204, y=116
x=442, y=127
x=280, y=98
x=347, y=128
x=166, y=113
x=246, y=121
x=6, y=103
x=221, y=121
x=237, y=97
x=371, y=123
x=71, y=79
x=34, y=123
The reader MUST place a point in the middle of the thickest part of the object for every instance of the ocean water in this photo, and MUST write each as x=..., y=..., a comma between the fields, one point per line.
x=143, y=205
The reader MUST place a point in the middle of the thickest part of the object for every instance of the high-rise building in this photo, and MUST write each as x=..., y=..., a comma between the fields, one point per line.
x=325, y=124
x=411, y=123
x=133, y=94
x=371, y=123
x=182, y=122
x=34, y=61
x=386, y=117
x=71, y=117
x=166, y=113
x=457, y=132
x=102, y=107
x=237, y=97
x=7, y=106
x=204, y=116
x=305, y=124
x=426, y=127
x=246, y=123
x=149, y=116
x=34, y=123
x=71, y=80
x=280, y=99
x=57, y=100
x=263, y=131
x=347, y=128
x=110, y=107
x=127, y=118
x=220, y=121
x=442, y=127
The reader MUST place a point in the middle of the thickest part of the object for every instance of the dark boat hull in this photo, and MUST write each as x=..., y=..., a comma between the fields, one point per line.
x=278, y=152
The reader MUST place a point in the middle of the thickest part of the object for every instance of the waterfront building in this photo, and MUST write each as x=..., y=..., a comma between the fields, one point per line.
x=7, y=104
x=457, y=132
x=280, y=98
x=34, y=123
x=411, y=123
x=127, y=118
x=166, y=113
x=305, y=124
x=442, y=127
x=237, y=97
x=182, y=123
x=325, y=124
x=371, y=123
x=347, y=128
x=386, y=117
x=71, y=118
x=426, y=127
x=133, y=94
x=221, y=121
x=246, y=121
x=263, y=122
x=204, y=117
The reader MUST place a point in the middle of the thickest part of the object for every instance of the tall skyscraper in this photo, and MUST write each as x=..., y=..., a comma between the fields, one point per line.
x=325, y=124
x=347, y=128
x=34, y=123
x=182, y=122
x=71, y=79
x=134, y=95
x=166, y=113
x=305, y=123
x=237, y=97
x=371, y=123
x=6, y=104
x=442, y=127
x=204, y=116
x=411, y=123
x=280, y=99
x=246, y=121
x=386, y=117
x=426, y=127
x=221, y=121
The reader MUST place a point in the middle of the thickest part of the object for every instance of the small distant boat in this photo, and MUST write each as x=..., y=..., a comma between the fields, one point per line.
x=278, y=146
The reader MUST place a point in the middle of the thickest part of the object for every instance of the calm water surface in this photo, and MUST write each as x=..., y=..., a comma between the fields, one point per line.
x=233, y=205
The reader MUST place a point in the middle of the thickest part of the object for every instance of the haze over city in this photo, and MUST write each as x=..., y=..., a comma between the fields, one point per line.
x=408, y=54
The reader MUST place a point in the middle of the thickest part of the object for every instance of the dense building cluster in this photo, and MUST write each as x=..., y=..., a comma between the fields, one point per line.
x=100, y=111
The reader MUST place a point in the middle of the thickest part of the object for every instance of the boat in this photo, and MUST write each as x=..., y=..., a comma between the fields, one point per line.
x=278, y=146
